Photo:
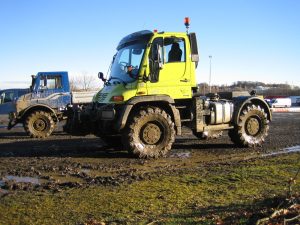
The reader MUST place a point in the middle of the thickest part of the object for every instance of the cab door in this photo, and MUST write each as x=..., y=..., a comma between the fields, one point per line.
x=51, y=91
x=172, y=74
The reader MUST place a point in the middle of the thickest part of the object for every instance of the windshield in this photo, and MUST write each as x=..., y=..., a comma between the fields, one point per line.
x=126, y=63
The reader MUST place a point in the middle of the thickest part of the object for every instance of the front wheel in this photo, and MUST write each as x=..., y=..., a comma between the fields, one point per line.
x=39, y=124
x=150, y=133
x=252, y=127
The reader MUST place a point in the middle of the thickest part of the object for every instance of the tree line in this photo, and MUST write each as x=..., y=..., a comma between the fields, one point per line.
x=260, y=88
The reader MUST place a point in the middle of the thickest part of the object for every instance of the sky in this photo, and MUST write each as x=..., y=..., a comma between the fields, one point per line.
x=253, y=40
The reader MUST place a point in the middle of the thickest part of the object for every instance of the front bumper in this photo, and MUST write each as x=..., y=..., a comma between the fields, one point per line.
x=104, y=119
x=106, y=112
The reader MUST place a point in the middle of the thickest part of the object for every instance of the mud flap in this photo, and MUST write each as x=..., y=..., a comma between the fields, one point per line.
x=12, y=121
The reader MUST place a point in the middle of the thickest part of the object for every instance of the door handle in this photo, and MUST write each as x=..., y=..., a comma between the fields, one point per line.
x=184, y=80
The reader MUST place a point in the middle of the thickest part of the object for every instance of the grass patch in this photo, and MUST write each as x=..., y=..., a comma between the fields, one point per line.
x=204, y=195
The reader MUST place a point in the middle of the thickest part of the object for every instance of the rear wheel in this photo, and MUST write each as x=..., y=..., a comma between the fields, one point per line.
x=252, y=127
x=39, y=124
x=150, y=133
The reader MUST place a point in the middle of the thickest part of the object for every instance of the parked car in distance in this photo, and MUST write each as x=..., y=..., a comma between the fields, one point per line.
x=280, y=103
x=7, y=99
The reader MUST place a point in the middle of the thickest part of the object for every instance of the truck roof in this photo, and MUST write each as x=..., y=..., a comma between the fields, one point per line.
x=54, y=72
x=143, y=35
x=14, y=89
x=136, y=36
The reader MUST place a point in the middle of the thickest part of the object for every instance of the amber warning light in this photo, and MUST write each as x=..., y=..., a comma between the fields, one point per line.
x=187, y=23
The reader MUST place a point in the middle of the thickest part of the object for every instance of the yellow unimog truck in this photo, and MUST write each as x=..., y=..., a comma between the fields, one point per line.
x=151, y=92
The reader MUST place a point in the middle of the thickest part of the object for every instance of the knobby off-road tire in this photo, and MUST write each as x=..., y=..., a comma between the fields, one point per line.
x=252, y=127
x=39, y=124
x=150, y=133
x=212, y=134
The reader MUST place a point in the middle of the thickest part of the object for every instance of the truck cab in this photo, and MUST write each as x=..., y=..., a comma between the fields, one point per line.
x=157, y=67
x=50, y=82
x=162, y=59
x=48, y=89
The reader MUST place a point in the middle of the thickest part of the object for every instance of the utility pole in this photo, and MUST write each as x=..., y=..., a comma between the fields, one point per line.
x=210, y=73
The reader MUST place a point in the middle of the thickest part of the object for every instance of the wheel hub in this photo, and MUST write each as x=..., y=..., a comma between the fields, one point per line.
x=151, y=134
x=39, y=125
x=252, y=126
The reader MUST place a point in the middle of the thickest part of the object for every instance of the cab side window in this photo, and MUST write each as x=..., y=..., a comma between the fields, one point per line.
x=156, y=58
x=174, y=50
x=156, y=52
x=51, y=82
x=54, y=82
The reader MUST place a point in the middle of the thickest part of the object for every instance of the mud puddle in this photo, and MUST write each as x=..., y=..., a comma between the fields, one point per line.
x=20, y=179
x=10, y=182
x=181, y=155
x=292, y=149
x=87, y=171
x=4, y=126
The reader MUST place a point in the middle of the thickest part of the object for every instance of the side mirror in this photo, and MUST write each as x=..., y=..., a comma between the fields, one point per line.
x=101, y=77
x=194, y=48
x=253, y=93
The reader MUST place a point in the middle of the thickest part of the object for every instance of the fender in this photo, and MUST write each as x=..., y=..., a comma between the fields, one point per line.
x=150, y=98
x=155, y=99
x=37, y=107
x=240, y=102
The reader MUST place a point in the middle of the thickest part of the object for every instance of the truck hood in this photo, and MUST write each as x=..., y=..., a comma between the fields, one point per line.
x=106, y=94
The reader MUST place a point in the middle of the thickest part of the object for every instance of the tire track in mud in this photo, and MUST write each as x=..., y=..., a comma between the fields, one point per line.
x=63, y=162
x=15, y=183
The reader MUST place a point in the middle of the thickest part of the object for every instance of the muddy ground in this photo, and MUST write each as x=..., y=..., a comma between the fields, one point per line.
x=36, y=172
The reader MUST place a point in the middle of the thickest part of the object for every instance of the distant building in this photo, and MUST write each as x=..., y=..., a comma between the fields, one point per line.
x=275, y=96
x=261, y=88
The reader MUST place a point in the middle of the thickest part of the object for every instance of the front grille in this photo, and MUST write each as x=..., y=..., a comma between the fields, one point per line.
x=102, y=97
